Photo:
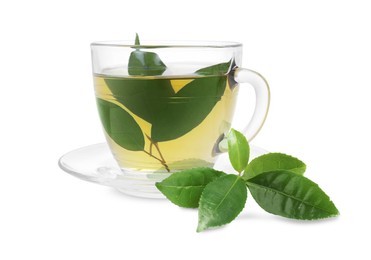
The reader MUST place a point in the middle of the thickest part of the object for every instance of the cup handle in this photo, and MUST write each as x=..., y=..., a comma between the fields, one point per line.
x=262, y=99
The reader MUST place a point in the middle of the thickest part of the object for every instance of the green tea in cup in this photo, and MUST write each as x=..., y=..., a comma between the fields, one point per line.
x=167, y=106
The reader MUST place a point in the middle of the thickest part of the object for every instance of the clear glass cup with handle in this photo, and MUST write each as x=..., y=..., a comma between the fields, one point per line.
x=167, y=106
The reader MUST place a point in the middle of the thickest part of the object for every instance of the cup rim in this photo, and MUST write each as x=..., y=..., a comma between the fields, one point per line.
x=154, y=44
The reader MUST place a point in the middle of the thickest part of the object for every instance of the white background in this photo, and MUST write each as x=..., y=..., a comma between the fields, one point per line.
x=316, y=56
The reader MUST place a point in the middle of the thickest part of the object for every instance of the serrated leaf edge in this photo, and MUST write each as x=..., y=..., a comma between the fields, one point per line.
x=331, y=214
x=159, y=185
x=289, y=170
x=216, y=226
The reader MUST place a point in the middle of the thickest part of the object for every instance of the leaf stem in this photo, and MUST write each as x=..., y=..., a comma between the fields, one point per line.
x=159, y=152
x=158, y=159
x=162, y=160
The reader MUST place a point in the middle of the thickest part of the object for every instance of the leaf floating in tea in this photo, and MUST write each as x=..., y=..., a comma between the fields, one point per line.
x=184, y=188
x=120, y=126
x=221, y=69
x=142, y=63
x=217, y=69
x=271, y=162
x=144, y=97
x=137, y=41
x=145, y=64
x=221, y=202
x=291, y=195
x=171, y=114
x=188, y=108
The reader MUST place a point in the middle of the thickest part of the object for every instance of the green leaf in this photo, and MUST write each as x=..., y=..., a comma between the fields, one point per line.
x=187, y=108
x=137, y=41
x=144, y=97
x=221, y=202
x=291, y=195
x=171, y=114
x=184, y=188
x=143, y=63
x=271, y=162
x=222, y=69
x=120, y=126
x=238, y=150
x=218, y=69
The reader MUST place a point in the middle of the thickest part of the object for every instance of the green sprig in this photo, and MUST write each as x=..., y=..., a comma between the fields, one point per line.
x=275, y=181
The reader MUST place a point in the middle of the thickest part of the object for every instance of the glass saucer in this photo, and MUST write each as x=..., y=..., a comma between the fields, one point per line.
x=95, y=163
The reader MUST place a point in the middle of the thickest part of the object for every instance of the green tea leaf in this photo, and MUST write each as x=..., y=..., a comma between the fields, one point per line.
x=184, y=188
x=271, y=162
x=171, y=114
x=221, y=202
x=143, y=63
x=187, y=108
x=218, y=69
x=291, y=195
x=221, y=69
x=120, y=126
x=238, y=150
x=137, y=41
x=144, y=97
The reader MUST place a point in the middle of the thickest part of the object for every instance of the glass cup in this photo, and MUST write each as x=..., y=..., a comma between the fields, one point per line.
x=167, y=106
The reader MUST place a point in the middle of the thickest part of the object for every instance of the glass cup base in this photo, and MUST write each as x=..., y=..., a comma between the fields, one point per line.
x=139, y=184
x=95, y=163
